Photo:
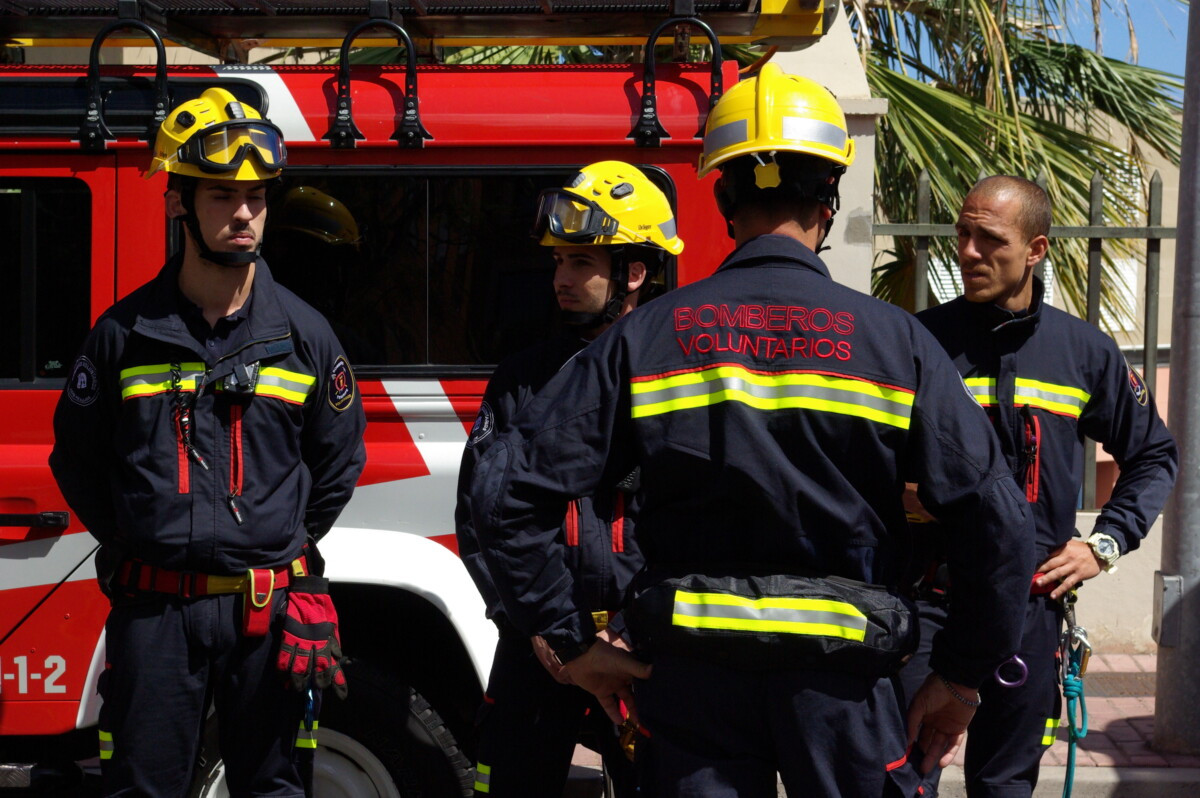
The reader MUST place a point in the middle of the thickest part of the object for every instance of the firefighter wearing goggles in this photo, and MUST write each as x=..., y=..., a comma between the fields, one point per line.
x=775, y=416
x=613, y=205
x=210, y=431
x=612, y=231
x=216, y=137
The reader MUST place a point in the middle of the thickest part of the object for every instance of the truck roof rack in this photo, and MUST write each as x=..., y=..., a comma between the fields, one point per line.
x=211, y=25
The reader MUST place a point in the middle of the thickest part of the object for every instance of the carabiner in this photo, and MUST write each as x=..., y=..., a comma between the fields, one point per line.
x=1022, y=668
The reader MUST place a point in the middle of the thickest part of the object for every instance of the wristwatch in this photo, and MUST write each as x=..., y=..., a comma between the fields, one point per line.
x=1106, y=550
x=573, y=651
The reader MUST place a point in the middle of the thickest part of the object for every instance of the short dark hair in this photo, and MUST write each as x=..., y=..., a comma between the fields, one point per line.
x=1034, y=214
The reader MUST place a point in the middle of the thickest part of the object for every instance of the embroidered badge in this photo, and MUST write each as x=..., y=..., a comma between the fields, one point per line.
x=341, y=385
x=83, y=386
x=485, y=422
x=1140, y=392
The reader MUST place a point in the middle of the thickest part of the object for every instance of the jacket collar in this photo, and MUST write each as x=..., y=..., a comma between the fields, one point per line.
x=776, y=250
x=998, y=319
x=161, y=316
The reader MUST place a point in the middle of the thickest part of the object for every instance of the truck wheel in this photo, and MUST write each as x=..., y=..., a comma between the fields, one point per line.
x=383, y=741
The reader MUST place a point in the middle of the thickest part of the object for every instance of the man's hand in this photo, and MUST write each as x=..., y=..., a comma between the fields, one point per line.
x=545, y=655
x=1069, y=565
x=609, y=636
x=938, y=720
x=912, y=505
x=607, y=672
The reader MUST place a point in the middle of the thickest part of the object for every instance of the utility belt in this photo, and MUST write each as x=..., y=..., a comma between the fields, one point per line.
x=257, y=584
x=774, y=621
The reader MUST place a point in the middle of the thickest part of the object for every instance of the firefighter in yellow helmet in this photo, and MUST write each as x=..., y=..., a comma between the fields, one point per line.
x=210, y=431
x=612, y=230
x=775, y=416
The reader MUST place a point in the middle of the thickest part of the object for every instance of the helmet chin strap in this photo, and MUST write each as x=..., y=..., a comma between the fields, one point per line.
x=229, y=259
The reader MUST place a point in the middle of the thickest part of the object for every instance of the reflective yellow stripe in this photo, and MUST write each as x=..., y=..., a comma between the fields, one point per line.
x=106, y=744
x=156, y=378
x=767, y=391
x=789, y=615
x=1051, y=731
x=483, y=778
x=307, y=738
x=290, y=386
x=1061, y=399
x=983, y=389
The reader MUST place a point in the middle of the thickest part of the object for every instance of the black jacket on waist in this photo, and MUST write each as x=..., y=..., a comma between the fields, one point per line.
x=776, y=416
x=276, y=427
x=1048, y=380
x=597, y=531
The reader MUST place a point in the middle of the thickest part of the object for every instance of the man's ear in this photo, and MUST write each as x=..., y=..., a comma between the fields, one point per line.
x=637, y=275
x=175, y=207
x=1038, y=248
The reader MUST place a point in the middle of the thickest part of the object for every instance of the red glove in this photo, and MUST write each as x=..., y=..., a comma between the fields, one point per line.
x=310, y=649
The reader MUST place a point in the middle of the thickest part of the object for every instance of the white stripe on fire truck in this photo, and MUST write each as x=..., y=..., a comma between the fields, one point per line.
x=35, y=563
x=282, y=108
x=439, y=436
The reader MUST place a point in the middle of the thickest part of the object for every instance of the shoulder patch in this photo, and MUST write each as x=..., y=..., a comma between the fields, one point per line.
x=83, y=386
x=485, y=423
x=341, y=385
x=1140, y=392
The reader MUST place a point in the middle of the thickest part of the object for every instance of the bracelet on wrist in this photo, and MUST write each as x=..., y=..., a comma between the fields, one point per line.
x=957, y=695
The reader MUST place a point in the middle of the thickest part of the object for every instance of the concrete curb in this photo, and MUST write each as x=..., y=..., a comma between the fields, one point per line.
x=1097, y=782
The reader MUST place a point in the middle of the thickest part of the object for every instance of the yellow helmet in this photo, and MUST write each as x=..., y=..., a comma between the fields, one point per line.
x=216, y=136
x=306, y=210
x=776, y=112
x=607, y=203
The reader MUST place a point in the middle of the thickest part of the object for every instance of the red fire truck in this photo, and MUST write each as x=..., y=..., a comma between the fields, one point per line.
x=429, y=278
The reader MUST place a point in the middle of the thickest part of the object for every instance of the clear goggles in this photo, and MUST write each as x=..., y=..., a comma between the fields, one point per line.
x=224, y=146
x=571, y=217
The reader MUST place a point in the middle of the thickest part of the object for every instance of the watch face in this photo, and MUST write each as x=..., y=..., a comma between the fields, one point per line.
x=1105, y=548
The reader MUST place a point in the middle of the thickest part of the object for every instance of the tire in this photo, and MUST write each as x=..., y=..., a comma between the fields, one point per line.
x=383, y=741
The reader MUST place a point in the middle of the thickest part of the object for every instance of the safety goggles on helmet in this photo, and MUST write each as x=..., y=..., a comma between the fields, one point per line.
x=572, y=217
x=222, y=147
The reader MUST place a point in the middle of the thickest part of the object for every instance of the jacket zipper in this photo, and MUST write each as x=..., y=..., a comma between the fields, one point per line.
x=618, y=523
x=185, y=474
x=1033, y=442
x=235, y=461
x=572, y=522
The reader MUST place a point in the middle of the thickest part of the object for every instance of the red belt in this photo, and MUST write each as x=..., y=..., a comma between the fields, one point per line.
x=258, y=585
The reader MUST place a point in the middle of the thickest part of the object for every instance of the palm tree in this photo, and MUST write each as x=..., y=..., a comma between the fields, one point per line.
x=989, y=86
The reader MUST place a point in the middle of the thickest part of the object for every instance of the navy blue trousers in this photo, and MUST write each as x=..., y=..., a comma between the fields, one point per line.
x=721, y=732
x=1014, y=726
x=529, y=725
x=168, y=658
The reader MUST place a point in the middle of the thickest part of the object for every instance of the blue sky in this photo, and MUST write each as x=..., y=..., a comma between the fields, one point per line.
x=1161, y=27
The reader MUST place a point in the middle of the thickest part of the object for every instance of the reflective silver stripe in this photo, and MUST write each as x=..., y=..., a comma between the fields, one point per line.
x=106, y=744
x=726, y=135
x=782, y=614
x=273, y=378
x=797, y=128
x=153, y=379
x=1061, y=399
x=483, y=778
x=667, y=228
x=307, y=738
x=837, y=395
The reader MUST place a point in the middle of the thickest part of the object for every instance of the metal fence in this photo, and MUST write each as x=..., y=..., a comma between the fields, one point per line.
x=1095, y=233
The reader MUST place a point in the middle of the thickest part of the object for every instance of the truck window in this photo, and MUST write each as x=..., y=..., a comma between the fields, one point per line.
x=45, y=224
x=432, y=270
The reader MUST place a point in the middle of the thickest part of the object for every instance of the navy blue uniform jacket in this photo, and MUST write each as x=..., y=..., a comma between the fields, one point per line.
x=278, y=421
x=776, y=416
x=597, y=532
x=1047, y=380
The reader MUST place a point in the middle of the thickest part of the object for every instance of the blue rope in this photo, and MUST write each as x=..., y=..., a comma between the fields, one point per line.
x=1072, y=687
